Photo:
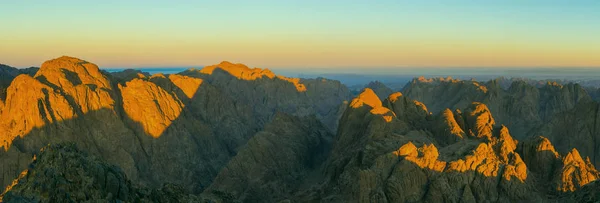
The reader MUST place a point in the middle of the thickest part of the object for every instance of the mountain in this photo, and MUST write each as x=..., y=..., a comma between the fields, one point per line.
x=380, y=89
x=276, y=162
x=180, y=128
x=565, y=114
x=7, y=74
x=379, y=156
x=87, y=178
x=231, y=133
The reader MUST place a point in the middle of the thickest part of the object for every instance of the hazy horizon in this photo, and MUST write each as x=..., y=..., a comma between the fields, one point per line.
x=304, y=34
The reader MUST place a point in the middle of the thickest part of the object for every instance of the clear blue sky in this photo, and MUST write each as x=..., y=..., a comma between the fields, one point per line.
x=303, y=33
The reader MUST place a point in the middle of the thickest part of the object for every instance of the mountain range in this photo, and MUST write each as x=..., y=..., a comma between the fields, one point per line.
x=72, y=132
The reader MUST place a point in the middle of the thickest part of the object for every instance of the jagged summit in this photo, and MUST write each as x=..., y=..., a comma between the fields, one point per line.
x=239, y=70
x=394, y=96
x=480, y=119
x=239, y=134
x=243, y=72
x=423, y=79
x=380, y=89
x=194, y=122
x=368, y=97
x=75, y=71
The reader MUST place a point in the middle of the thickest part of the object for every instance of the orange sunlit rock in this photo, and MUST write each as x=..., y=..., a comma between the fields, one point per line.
x=31, y=104
x=150, y=105
x=424, y=157
x=296, y=81
x=575, y=172
x=388, y=118
x=367, y=97
x=407, y=150
x=394, y=96
x=242, y=72
x=14, y=182
x=420, y=105
x=452, y=125
x=505, y=144
x=480, y=119
x=188, y=85
x=480, y=87
x=81, y=80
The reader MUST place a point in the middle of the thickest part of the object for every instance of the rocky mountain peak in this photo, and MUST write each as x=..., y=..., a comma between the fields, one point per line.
x=394, y=96
x=150, y=105
x=69, y=72
x=480, y=120
x=239, y=71
x=243, y=72
x=31, y=104
x=366, y=97
x=541, y=157
x=575, y=172
x=188, y=85
x=380, y=89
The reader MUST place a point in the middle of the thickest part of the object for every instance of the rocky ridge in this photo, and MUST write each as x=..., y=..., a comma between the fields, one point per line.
x=564, y=113
x=63, y=173
x=229, y=133
x=375, y=159
x=196, y=122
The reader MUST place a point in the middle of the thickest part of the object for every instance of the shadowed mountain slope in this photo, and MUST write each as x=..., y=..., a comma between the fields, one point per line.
x=565, y=114
x=159, y=129
x=230, y=133
x=446, y=157
x=86, y=177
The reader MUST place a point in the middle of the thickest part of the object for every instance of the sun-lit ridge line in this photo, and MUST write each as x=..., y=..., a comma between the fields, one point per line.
x=243, y=72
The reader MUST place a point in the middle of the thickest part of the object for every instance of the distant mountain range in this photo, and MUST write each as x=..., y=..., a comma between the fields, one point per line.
x=72, y=132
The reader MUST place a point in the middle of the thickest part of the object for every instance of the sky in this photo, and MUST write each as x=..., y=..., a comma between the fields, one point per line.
x=303, y=34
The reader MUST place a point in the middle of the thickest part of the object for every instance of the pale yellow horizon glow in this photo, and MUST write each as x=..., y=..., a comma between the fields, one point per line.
x=282, y=34
x=283, y=53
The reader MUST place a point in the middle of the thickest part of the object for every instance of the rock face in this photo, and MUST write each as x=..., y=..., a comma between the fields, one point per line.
x=380, y=89
x=7, y=75
x=63, y=173
x=521, y=107
x=575, y=172
x=276, y=162
x=195, y=121
x=230, y=133
x=565, y=114
x=448, y=157
x=268, y=92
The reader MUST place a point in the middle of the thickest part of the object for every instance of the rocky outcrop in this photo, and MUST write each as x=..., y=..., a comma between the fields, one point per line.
x=127, y=75
x=151, y=106
x=574, y=172
x=276, y=162
x=242, y=72
x=195, y=122
x=232, y=133
x=7, y=75
x=479, y=120
x=575, y=128
x=378, y=161
x=63, y=173
x=522, y=106
x=406, y=109
x=448, y=127
x=268, y=92
x=563, y=113
x=541, y=157
x=380, y=89
x=588, y=193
